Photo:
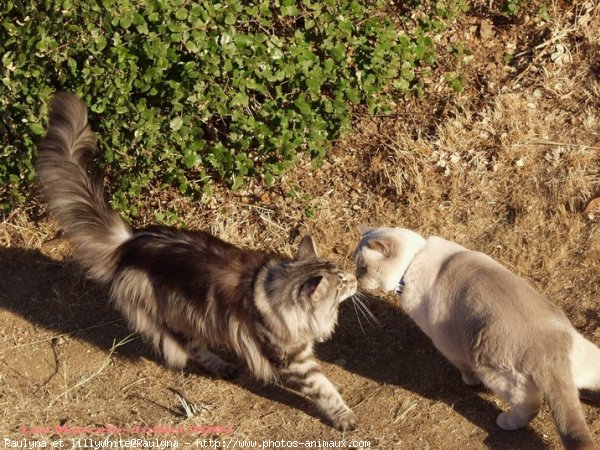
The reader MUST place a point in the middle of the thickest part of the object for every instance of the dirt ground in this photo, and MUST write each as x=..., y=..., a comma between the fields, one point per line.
x=510, y=167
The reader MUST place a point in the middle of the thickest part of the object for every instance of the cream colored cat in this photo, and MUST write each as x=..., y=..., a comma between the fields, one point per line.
x=490, y=324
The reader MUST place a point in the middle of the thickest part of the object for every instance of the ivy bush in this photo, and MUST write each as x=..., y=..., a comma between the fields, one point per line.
x=185, y=92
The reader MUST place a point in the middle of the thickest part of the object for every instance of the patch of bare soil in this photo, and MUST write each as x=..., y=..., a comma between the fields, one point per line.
x=510, y=167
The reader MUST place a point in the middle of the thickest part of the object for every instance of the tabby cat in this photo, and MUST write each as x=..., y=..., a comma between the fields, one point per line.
x=186, y=291
x=490, y=324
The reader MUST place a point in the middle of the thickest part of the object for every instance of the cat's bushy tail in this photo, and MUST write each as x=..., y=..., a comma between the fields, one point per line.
x=73, y=188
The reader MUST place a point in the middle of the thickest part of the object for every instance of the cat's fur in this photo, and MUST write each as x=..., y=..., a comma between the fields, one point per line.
x=490, y=324
x=187, y=291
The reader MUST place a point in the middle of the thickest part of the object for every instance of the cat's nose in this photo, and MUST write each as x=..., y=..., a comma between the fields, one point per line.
x=352, y=283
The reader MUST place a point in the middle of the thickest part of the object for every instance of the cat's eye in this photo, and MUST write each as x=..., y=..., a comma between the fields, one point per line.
x=361, y=271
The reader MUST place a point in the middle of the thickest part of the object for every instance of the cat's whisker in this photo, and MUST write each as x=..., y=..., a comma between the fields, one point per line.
x=366, y=312
x=355, y=298
x=362, y=296
x=358, y=317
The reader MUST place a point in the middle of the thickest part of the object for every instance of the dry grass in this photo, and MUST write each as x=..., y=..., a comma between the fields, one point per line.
x=510, y=167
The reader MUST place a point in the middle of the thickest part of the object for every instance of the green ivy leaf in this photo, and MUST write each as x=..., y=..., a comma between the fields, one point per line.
x=182, y=93
x=176, y=123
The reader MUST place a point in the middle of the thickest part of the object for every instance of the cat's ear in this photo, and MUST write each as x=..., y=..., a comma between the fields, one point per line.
x=363, y=229
x=315, y=288
x=383, y=245
x=307, y=249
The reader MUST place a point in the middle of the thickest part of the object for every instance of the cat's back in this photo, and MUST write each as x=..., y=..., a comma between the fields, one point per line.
x=157, y=243
x=479, y=286
x=188, y=260
x=497, y=318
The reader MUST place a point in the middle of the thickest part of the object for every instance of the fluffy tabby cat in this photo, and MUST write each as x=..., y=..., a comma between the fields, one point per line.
x=490, y=324
x=186, y=291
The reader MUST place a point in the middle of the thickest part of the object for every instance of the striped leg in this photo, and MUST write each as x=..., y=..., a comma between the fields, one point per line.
x=304, y=374
x=210, y=362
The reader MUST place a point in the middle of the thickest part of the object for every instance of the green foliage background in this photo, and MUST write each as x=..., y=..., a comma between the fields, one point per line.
x=184, y=92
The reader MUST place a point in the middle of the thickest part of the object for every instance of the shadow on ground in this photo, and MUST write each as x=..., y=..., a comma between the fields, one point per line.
x=56, y=296
x=398, y=353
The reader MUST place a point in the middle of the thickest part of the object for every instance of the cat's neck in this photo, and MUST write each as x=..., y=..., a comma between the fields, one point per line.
x=409, y=244
x=425, y=265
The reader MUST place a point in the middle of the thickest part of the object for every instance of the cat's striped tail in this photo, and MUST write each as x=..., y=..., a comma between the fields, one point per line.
x=73, y=188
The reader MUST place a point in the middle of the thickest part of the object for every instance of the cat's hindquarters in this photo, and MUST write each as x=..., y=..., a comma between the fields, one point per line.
x=74, y=190
x=585, y=366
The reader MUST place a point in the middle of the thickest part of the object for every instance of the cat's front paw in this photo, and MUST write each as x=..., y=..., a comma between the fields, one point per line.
x=345, y=421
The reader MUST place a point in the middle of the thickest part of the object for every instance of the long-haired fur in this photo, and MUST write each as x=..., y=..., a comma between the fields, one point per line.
x=187, y=291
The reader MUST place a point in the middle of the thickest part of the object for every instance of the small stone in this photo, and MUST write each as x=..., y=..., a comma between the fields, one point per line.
x=485, y=30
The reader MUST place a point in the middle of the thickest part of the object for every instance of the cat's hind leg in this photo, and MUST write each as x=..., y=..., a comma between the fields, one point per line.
x=522, y=394
x=470, y=378
x=173, y=352
x=467, y=374
x=210, y=362
x=133, y=295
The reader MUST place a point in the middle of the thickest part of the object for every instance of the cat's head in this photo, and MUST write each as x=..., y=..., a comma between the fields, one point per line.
x=300, y=297
x=383, y=255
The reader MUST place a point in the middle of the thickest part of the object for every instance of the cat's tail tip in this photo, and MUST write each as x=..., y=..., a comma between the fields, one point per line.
x=73, y=187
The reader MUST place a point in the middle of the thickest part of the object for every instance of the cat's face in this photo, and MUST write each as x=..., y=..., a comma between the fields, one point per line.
x=383, y=255
x=305, y=293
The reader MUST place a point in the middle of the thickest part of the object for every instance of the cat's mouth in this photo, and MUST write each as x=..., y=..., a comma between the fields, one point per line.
x=369, y=284
x=350, y=291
